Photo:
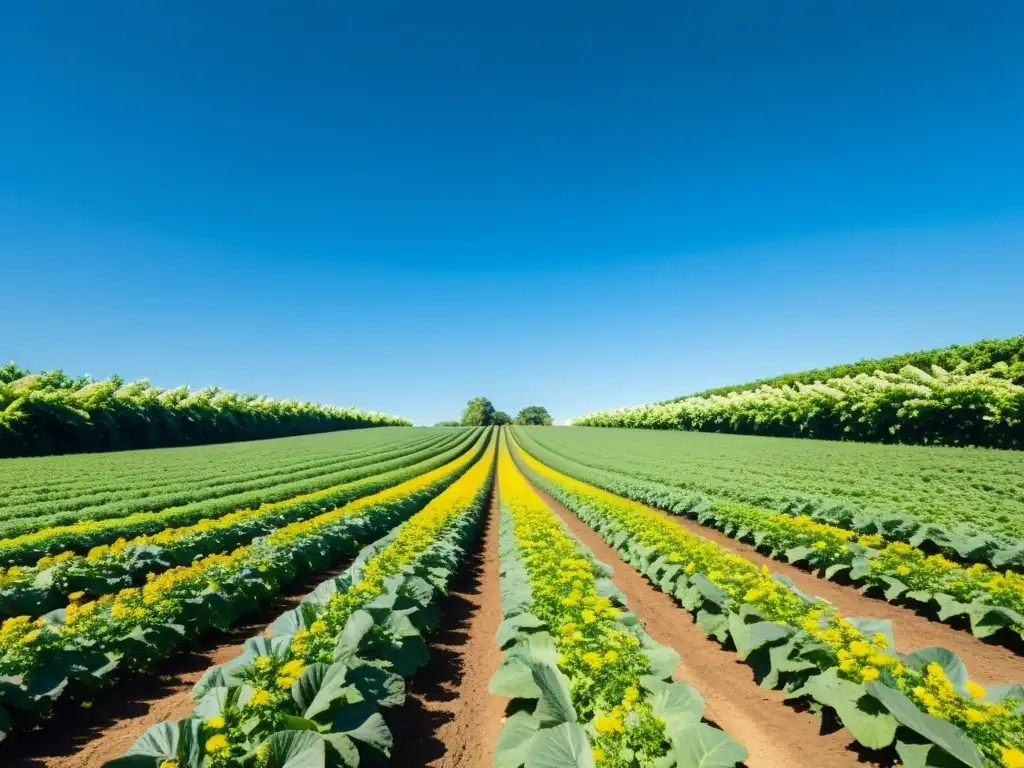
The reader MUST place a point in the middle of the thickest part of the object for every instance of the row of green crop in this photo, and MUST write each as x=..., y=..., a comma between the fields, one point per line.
x=68, y=654
x=51, y=413
x=80, y=537
x=920, y=704
x=910, y=406
x=980, y=356
x=991, y=601
x=31, y=516
x=40, y=588
x=50, y=478
x=312, y=693
x=587, y=684
x=209, y=475
x=676, y=487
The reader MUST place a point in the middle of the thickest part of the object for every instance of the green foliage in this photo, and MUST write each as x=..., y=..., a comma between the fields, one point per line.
x=964, y=490
x=941, y=407
x=534, y=414
x=978, y=357
x=501, y=418
x=450, y=423
x=51, y=413
x=479, y=412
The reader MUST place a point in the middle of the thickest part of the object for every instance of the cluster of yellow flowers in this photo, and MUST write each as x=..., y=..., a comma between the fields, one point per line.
x=996, y=729
x=272, y=677
x=600, y=656
x=159, y=600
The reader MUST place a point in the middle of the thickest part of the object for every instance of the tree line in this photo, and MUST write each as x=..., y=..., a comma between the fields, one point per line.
x=480, y=412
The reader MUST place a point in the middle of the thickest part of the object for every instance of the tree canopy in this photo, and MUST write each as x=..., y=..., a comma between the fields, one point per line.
x=479, y=412
x=500, y=417
x=534, y=414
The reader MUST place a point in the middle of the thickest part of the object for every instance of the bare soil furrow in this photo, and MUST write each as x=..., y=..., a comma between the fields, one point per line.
x=449, y=719
x=775, y=734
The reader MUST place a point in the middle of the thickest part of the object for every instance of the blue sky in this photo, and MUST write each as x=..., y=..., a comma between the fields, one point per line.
x=401, y=205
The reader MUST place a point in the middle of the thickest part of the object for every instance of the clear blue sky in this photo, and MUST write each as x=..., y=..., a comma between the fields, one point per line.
x=401, y=205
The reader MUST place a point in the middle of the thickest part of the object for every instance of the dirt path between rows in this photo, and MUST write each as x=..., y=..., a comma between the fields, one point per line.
x=92, y=736
x=449, y=719
x=986, y=663
x=775, y=735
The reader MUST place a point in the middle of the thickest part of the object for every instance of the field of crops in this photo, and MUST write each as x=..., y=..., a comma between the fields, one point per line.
x=526, y=596
x=964, y=395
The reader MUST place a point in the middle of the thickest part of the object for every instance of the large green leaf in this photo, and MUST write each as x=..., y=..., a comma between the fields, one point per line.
x=564, y=746
x=701, y=746
x=869, y=722
x=319, y=686
x=510, y=627
x=295, y=749
x=943, y=734
x=555, y=705
x=678, y=704
x=378, y=686
x=362, y=722
x=516, y=735
x=514, y=680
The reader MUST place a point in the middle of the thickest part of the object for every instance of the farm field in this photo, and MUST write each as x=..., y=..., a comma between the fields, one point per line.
x=980, y=489
x=494, y=597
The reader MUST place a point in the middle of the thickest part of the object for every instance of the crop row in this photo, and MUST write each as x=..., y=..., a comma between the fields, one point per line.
x=107, y=568
x=80, y=537
x=774, y=474
x=922, y=704
x=587, y=683
x=224, y=496
x=911, y=406
x=992, y=601
x=70, y=652
x=312, y=692
x=152, y=490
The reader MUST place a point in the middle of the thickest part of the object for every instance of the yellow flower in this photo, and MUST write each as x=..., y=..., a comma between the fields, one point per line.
x=293, y=668
x=75, y=596
x=611, y=656
x=860, y=648
x=869, y=673
x=593, y=659
x=259, y=698
x=975, y=690
x=215, y=723
x=262, y=663
x=632, y=693
x=605, y=724
x=318, y=627
x=880, y=641
x=903, y=570
x=598, y=755
x=1013, y=758
x=285, y=682
x=218, y=743
x=169, y=764
x=977, y=716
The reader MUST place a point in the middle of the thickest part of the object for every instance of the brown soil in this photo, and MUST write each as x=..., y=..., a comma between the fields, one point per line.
x=90, y=737
x=775, y=735
x=986, y=663
x=449, y=718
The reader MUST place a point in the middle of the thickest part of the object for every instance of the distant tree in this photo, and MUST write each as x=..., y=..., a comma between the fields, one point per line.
x=500, y=417
x=534, y=414
x=479, y=412
x=451, y=423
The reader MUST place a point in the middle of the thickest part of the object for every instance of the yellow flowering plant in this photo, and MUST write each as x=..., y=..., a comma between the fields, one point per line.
x=37, y=543
x=817, y=637
x=139, y=625
x=616, y=675
x=292, y=681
